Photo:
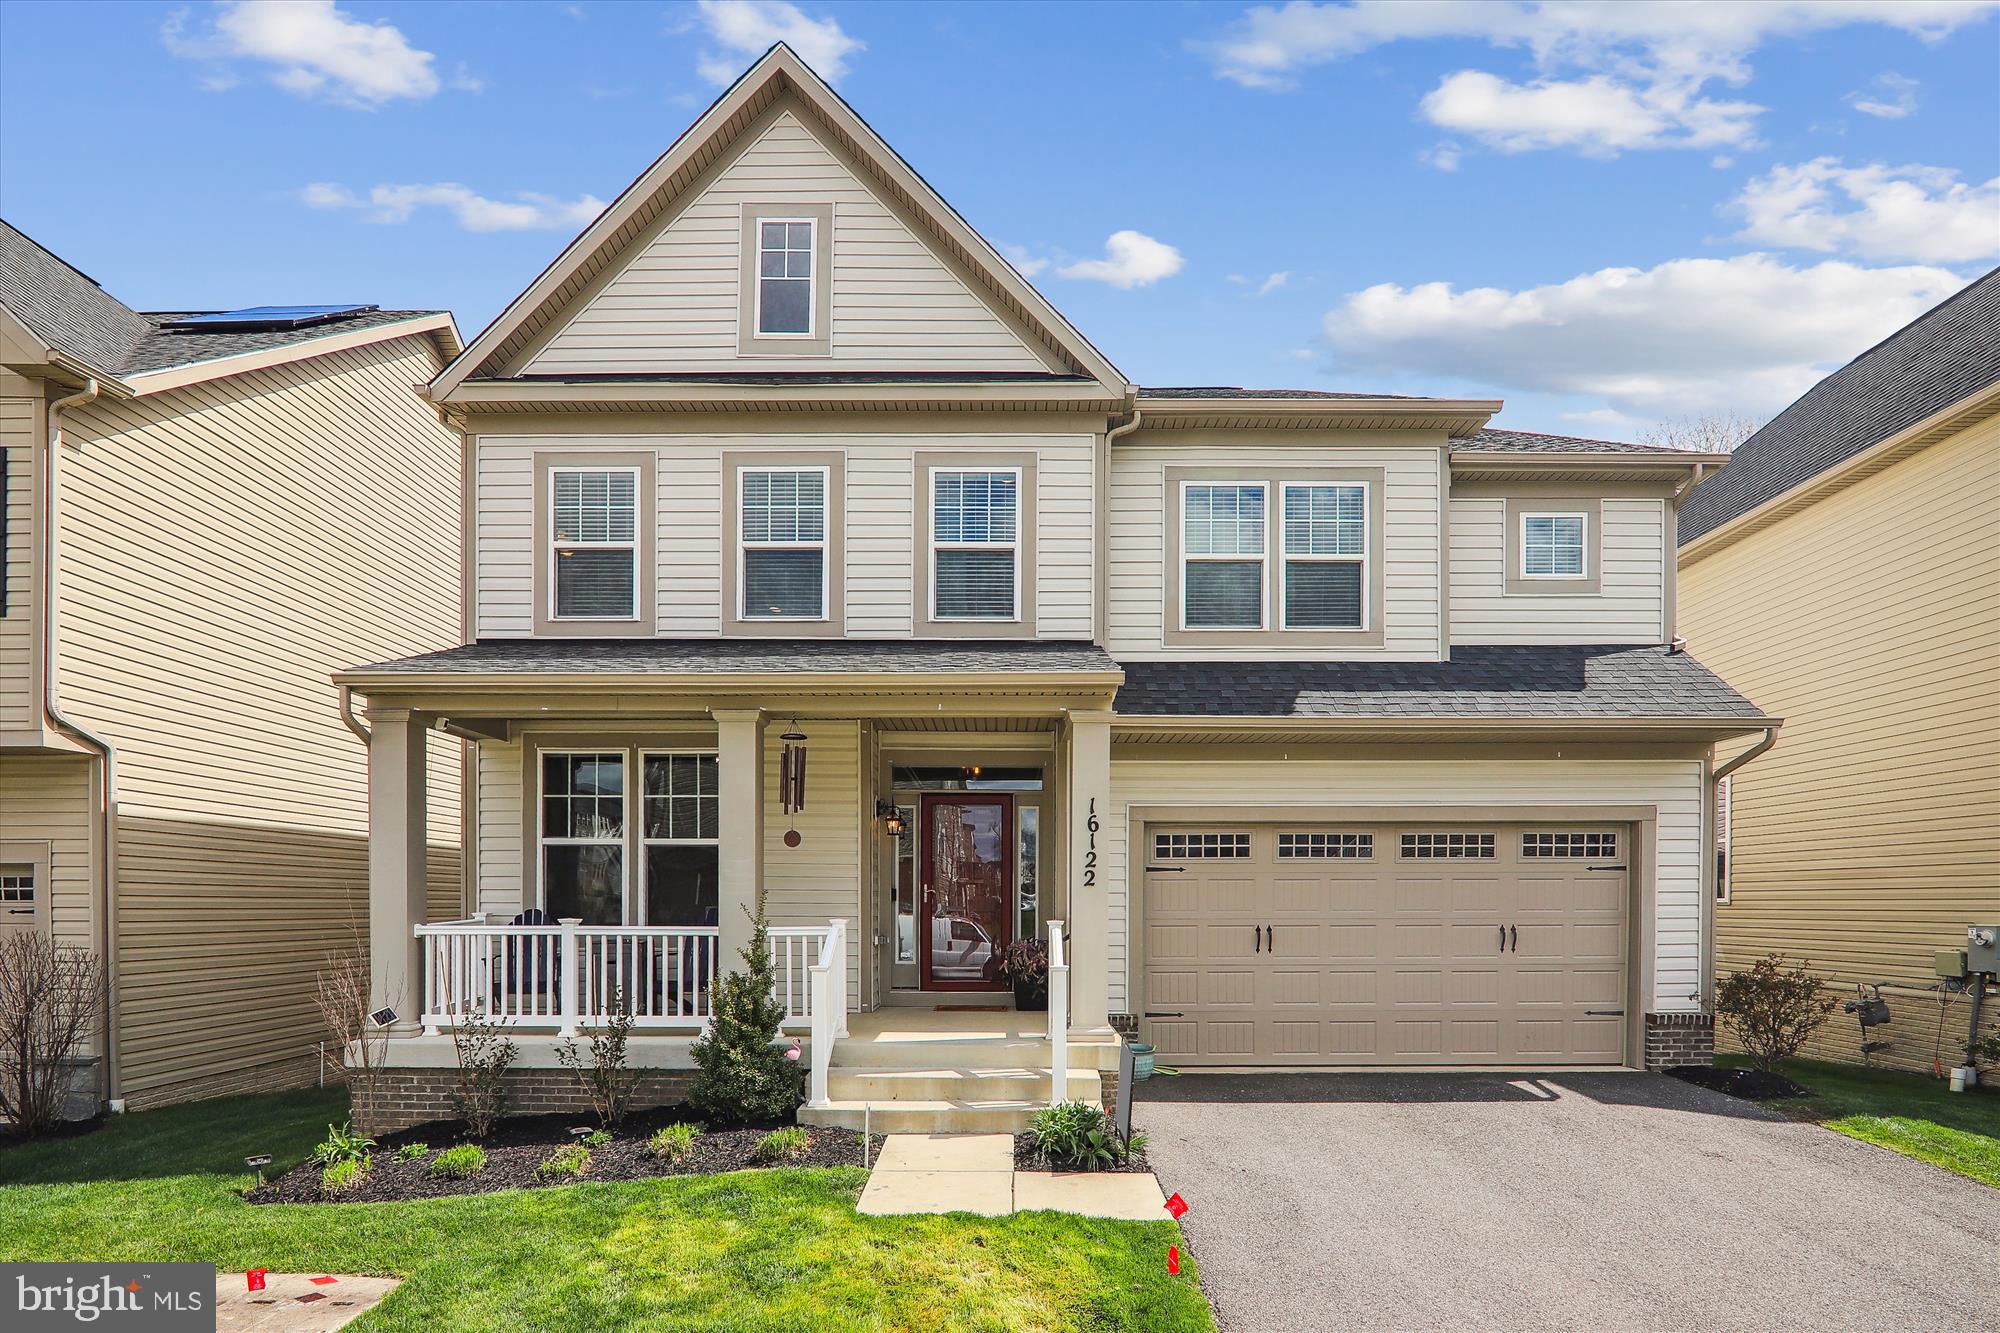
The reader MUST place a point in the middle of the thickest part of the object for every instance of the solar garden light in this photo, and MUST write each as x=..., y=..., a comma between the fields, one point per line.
x=257, y=1162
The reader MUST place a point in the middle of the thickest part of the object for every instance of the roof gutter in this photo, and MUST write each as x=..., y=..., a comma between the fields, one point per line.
x=106, y=914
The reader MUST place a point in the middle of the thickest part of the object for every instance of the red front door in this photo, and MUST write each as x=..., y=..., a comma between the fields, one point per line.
x=967, y=919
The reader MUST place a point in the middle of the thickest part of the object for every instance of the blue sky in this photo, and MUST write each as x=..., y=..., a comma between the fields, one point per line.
x=1609, y=214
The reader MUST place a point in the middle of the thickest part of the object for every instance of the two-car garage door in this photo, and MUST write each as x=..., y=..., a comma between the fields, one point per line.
x=1389, y=944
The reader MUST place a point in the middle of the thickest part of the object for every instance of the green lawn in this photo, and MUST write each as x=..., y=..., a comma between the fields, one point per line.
x=1912, y=1114
x=777, y=1249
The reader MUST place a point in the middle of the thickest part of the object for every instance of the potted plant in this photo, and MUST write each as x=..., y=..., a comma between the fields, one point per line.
x=1026, y=966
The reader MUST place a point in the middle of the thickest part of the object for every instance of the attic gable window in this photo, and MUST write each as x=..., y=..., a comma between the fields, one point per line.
x=785, y=252
x=594, y=523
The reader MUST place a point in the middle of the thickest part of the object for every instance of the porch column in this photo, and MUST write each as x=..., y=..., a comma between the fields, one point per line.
x=739, y=743
x=1089, y=799
x=398, y=816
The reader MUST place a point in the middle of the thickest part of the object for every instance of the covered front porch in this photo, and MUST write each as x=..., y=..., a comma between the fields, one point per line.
x=901, y=812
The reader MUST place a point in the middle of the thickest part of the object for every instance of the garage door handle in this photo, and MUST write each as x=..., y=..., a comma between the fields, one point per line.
x=1503, y=938
x=1513, y=939
x=1604, y=1013
x=1257, y=939
x=1269, y=945
x=1165, y=1013
x=1166, y=870
x=1606, y=868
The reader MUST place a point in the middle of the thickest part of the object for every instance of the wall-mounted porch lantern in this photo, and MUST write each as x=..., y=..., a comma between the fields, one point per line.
x=891, y=817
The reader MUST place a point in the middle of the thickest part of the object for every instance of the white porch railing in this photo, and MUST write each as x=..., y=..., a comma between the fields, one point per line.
x=1058, y=1017
x=828, y=983
x=570, y=975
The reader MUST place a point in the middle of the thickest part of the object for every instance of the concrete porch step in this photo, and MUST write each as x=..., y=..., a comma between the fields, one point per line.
x=939, y=1116
x=1028, y=1084
x=969, y=1051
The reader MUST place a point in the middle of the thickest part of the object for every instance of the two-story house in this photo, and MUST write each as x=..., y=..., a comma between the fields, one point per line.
x=187, y=557
x=818, y=559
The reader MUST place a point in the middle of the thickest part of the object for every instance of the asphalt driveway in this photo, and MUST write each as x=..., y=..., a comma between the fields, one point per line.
x=1600, y=1200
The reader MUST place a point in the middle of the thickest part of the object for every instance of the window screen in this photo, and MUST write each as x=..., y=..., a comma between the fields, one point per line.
x=1552, y=546
x=783, y=529
x=594, y=530
x=975, y=533
x=1222, y=546
x=784, y=277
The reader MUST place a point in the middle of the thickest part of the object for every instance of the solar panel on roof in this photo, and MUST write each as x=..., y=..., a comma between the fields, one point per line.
x=267, y=317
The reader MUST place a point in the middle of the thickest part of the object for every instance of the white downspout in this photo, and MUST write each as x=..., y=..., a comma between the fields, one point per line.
x=107, y=755
x=1714, y=785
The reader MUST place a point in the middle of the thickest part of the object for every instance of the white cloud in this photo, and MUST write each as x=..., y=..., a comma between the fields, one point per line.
x=310, y=48
x=1444, y=155
x=1024, y=263
x=526, y=211
x=1131, y=259
x=1889, y=95
x=1747, y=334
x=1643, y=63
x=1273, y=283
x=745, y=29
x=1876, y=211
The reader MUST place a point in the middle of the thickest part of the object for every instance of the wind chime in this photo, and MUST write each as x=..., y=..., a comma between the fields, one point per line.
x=792, y=779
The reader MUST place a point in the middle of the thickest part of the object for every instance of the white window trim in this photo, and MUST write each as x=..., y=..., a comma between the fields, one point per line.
x=812, y=279
x=744, y=546
x=1284, y=558
x=638, y=825
x=1583, y=525
x=1263, y=558
x=623, y=842
x=1014, y=616
x=1725, y=820
x=557, y=544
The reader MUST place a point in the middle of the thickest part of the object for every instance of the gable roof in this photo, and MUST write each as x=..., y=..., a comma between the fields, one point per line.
x=79, y=322
x=779, y=73
x=1942, y=358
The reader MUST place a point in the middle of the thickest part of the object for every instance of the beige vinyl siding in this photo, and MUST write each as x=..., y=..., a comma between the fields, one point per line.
x=674, y=306
x=17, y=627
x=497, y=856
x=1870, y=836
x=821, y=877
x=881, y=542
x=48, y=799
x=1140, y=509
x=1673, y=788
x=226, y=547
x=1630, y=608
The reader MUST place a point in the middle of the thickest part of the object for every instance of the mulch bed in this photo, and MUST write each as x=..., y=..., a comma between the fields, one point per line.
x=1750, y=1084
x=67, y=1129
x=520, y=1144
x=1027, y=1159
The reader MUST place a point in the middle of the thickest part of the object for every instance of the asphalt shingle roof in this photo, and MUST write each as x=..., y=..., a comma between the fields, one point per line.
x=1945, y=356
x=1534, y=442
x=70, y=313
x=666, y=656
x=1229, y=391
x=1564, y=683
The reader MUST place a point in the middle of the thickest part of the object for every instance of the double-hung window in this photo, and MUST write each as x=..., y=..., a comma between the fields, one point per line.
x=1223, y=548
x=785, y=248
x=1553, y=546
x=583, y=836
x=783, y=523
x=975, y=544
x=680, y=826
x=594, y=543
x=1326, y=554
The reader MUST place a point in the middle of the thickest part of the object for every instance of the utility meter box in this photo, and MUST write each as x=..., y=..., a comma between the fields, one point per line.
x=1982, y=948
x=1951, y=963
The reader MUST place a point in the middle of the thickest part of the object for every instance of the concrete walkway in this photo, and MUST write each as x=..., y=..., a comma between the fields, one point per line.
x=974, y=1173
x=296, y=1302
x=1554, y=1201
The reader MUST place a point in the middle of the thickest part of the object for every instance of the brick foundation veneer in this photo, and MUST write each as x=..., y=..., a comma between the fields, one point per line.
x=1679, y=1039
x=406, y=1097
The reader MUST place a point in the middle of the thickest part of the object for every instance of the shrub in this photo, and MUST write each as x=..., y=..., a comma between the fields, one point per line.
x=607, y=1080
x=342, y=1145
x=1986, y=1051
x=484, y=1054
x=48, y=1005
x=571, y=1160
x=342, y=1176
x=410, y=1152
x=1080, y=1137
x=1771, y=1010
x=597, y=1138
x=459, y=1162
x=1026, y=963
x=782, y=1145
x=742, y=1077
x=675, y=1143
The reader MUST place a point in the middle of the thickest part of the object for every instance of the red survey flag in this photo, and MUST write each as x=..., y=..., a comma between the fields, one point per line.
x=255, y=1277
x=1173, y=1259
x=1177, y=1206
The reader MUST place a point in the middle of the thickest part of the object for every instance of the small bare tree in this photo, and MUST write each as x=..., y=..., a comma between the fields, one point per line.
x=607, y=1080
x=1709, y=432
x=48, y=1005
x=357, y=1049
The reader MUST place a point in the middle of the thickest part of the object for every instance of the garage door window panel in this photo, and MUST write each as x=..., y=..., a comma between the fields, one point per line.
x=1448, y=847
x=1201, y=846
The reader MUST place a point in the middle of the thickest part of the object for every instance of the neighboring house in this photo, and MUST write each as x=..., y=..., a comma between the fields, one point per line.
x=1844, y=569
x=241, y=504
x=1334, y=728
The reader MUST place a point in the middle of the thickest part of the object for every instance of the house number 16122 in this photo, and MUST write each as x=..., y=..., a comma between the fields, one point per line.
x=1090, y=851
